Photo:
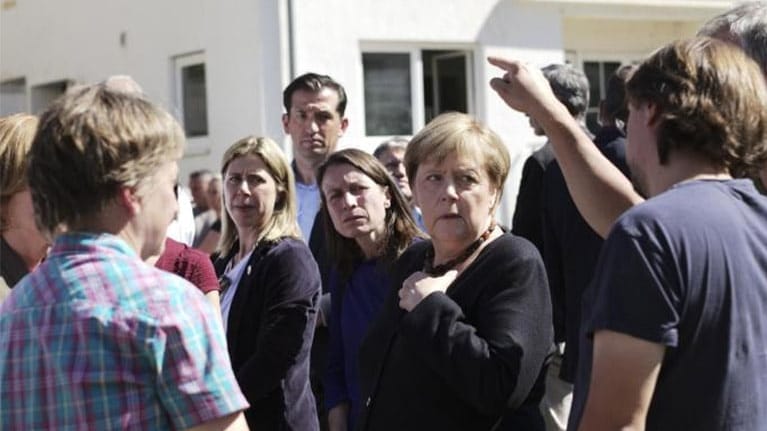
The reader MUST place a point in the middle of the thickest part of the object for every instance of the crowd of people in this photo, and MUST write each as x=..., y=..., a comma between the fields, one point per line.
x=344, y=290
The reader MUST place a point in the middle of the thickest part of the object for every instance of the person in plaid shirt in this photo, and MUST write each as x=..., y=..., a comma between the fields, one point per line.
x=95, y=338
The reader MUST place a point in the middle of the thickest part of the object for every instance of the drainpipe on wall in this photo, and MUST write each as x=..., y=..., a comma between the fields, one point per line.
x=291, y=41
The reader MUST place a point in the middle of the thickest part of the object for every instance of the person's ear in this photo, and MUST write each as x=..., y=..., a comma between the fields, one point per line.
x=129, y=200
x=279, y=202
x=387, y=194
x=494, y=201
x=344, y=125
x=653, y=114
x=285, y=120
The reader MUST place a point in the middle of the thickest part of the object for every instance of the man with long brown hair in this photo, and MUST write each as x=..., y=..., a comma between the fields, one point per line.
x=674, y=323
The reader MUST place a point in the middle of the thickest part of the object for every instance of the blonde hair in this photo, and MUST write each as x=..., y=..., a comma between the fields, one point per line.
x=91, y=143
x=456, y=133
x=16, y=134
x=284, y=218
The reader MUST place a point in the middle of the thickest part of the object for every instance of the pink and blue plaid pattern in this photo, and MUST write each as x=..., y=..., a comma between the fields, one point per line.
x=96, y=339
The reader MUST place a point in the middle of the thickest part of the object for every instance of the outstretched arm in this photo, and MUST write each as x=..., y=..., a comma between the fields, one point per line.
x=600, y=191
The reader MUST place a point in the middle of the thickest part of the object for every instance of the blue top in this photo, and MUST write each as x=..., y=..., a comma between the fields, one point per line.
x=308, y=201
x=418, y=218
x=363, y=296
x=688, y=270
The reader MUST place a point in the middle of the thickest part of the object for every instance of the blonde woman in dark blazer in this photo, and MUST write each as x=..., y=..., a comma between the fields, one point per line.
x=271, y=287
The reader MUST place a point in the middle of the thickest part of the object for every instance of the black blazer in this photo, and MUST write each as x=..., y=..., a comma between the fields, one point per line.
x=527, y=213
x=461, y=359
x=269, y=333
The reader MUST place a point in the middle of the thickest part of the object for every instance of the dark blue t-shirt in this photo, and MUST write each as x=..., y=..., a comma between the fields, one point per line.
x=688, y=270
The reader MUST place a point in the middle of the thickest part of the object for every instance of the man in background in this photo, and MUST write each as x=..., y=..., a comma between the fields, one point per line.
x=391, y=154
x=571, y=87
x=203, y=217
x=571, y=249
x=315, y=120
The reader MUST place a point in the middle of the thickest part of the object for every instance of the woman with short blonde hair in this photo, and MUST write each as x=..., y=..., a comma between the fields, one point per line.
x=462, y=339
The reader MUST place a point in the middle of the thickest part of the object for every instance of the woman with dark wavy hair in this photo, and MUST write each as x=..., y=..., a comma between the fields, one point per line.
x=368, y=225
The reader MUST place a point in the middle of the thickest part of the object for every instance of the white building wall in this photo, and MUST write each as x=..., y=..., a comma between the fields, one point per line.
x=247, y=44
x=332, y=45
x=619, y=35
x=79, y=40
x=329, y=37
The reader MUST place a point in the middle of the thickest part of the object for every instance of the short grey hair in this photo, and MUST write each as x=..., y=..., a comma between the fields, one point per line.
x=570, y=86
x=744, y=25
x=397, y=142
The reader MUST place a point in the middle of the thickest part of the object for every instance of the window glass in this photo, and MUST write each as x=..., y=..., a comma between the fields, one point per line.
x=449, y=84
x=388, y=100
x=13, y=94
x=44, y=94
x=194, y=100
x=598, y=73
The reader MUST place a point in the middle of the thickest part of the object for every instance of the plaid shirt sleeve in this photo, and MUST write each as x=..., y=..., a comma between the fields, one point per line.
x=195, y=381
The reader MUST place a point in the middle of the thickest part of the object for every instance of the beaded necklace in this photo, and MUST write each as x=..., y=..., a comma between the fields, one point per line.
x=441, y=269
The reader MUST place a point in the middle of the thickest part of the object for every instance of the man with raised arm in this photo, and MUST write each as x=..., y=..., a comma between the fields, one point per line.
x=674, y=333
x=598, y=189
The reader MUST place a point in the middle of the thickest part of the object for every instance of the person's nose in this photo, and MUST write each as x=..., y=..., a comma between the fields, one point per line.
x=244, y=187
x=399, y=171
x=311, y=125
x=350, y=201
x=450, y=192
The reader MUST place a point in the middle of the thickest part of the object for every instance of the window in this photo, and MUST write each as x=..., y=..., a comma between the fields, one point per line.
x=44, y=94
x=445, y=81
x=387, y=94
x=406, y=88
x=13, y=94
x=191, y=94
x=598, y=73
x=598, y=67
